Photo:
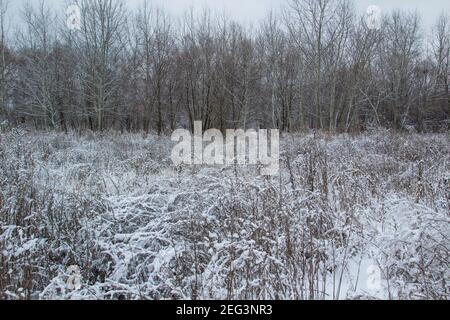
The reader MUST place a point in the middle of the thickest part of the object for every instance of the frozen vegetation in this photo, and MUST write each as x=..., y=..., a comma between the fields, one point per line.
x=349, y=217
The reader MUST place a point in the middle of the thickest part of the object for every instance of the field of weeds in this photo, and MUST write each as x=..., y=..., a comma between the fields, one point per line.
x=348, y=217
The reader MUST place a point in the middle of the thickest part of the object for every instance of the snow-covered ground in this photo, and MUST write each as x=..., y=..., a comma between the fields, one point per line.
x=349, y=217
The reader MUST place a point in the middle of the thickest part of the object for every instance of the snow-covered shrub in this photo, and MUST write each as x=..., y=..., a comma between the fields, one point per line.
x=413, y=251
x=4, y=126
x=138, y=228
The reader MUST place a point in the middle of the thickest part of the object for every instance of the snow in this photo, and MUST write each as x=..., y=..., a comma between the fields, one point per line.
x=139, y=228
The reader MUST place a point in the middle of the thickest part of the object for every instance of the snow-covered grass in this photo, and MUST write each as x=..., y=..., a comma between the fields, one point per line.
x=139, y=228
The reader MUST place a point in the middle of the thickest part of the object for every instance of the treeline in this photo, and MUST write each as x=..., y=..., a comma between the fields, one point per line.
x=315, y=64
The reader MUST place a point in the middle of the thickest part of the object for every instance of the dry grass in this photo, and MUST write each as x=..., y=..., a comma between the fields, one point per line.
x=141, y=229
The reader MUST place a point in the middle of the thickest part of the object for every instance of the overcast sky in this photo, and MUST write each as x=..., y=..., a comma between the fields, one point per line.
x=251, y=11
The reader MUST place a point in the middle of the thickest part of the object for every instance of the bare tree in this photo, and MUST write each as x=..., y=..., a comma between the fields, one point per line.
x=3, y=53
x=155, y=46
x=36, y=80
x=317, y=66
x=441, y=54
x=100, y=44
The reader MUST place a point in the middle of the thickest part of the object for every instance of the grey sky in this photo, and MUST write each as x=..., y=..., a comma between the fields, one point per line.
x=254, y=10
